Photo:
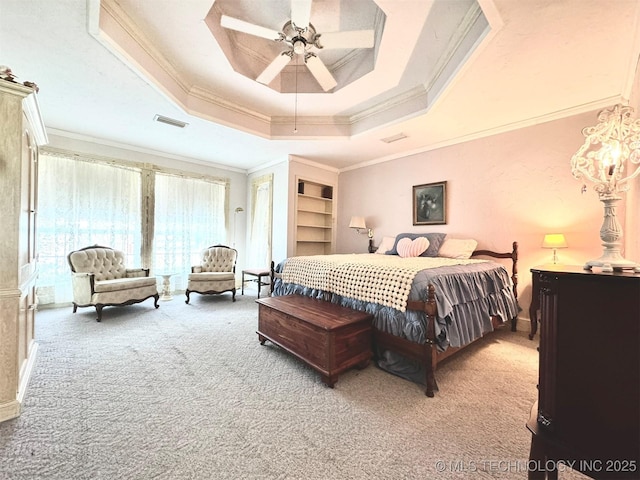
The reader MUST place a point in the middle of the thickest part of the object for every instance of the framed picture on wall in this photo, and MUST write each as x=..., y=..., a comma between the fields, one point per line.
x=430, y=204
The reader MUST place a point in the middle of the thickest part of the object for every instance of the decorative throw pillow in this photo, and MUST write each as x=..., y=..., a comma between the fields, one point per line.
x=457, y=248
x=435, y=240
x=386, y=244
x=412, y=248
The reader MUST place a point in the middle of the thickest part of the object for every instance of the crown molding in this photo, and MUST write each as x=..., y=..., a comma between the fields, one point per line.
x=110, y=24
x=207, y=96
x=311, y=163
x=269, y=164
x=128, y=26
x=132, y=148
x=558, y=115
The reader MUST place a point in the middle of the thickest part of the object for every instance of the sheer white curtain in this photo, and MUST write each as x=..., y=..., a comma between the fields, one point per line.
x=190, y=215
x=83, y=203
x=259, y=251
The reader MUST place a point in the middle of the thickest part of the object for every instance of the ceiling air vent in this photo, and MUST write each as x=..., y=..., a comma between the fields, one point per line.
x=394, y=138
x=170, y=121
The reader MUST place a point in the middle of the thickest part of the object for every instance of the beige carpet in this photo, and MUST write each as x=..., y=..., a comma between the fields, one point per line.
x=187, y=392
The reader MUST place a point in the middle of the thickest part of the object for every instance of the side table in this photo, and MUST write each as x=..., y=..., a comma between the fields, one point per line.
x=255, y=272
x=166, y=286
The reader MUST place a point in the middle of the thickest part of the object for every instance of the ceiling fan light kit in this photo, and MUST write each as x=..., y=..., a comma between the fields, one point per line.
x=301, y=37
x=294, y=36
x=299, y=47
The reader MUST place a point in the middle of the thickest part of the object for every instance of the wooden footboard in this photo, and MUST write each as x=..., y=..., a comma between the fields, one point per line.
x=513, y=255
x=427, y=353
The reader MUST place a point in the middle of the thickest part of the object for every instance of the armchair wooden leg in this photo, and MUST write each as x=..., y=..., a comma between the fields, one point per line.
x=75, y=308
x=99, y=312
x=156, y=297
x=233, y=296
x=187, y=294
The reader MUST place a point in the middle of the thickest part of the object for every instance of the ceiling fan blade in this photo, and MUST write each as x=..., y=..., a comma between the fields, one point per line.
x=274, y=68
x=250, y=28
x=321, y=73
x=351, y=39
x=301, y=13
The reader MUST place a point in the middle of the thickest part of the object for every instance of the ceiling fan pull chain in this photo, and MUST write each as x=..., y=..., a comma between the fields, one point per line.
x=295, y=108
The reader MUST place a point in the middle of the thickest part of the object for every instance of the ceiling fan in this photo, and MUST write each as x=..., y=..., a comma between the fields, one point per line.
x=301, y=37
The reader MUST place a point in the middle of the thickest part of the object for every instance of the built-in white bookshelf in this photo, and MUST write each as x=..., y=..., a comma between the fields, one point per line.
x=314, y=219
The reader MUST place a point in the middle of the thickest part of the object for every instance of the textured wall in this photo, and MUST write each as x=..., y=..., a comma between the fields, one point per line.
x=513, y=186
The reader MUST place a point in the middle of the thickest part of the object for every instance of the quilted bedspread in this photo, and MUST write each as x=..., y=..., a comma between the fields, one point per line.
x=381, y=279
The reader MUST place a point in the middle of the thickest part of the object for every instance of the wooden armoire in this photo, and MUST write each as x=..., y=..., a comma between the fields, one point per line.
x=22, y=132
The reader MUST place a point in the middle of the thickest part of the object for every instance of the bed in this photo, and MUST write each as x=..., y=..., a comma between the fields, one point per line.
x=425, y=307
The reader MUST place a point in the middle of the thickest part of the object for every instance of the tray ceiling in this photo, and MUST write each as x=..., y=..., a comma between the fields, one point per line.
x=444, y=71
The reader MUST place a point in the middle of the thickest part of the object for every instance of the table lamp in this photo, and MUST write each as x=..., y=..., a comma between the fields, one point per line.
x=555, y=241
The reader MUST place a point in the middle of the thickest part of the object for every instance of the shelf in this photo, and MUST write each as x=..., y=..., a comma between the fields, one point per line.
x=316, y=190
x=313, y=211
x=328, y=227
x=315, y=197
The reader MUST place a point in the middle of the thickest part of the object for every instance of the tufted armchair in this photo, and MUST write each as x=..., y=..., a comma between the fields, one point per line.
x=215, y=274
x=100, y=278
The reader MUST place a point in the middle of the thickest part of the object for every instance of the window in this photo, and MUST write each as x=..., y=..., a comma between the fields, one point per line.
x=189, y=217
x=89, y=201
x=259, y=251
x=83, y=203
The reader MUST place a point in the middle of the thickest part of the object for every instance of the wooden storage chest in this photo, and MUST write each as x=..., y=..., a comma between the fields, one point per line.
x=328, y=337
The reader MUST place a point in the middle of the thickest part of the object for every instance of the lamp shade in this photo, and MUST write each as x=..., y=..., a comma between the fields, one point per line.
x=554, y=240
x=357, y=222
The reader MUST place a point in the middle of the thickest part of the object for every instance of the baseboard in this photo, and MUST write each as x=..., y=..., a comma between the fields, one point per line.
x=523, y=325
x=13, y=408
x=9, y=410
x=27, y=371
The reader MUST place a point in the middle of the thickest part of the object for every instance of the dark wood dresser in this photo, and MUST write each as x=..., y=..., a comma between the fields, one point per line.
x=588, y=410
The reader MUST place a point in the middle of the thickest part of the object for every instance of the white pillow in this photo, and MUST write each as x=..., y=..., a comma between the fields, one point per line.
x=408, y=248
x=457, y=248
x=386, y=244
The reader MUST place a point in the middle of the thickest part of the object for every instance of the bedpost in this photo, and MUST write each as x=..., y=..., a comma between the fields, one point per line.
x=272, y=277
x=514, y=269
x=514, y=279
x=430, y=309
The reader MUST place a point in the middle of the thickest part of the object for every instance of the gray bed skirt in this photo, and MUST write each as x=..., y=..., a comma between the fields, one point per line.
x=466, y=296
